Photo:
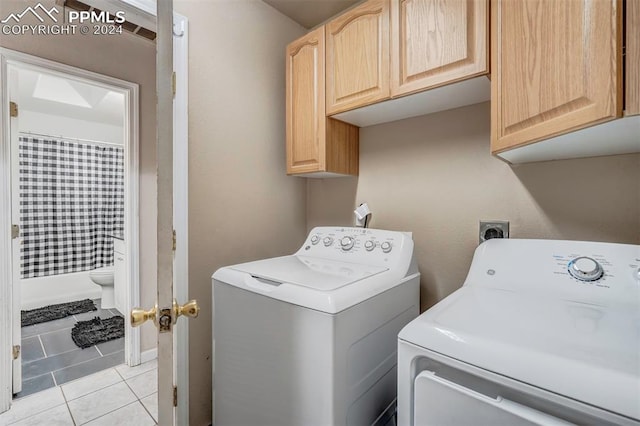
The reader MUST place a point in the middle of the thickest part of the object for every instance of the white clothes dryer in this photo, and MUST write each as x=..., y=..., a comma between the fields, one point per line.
x=542, y=333
x=310, y=339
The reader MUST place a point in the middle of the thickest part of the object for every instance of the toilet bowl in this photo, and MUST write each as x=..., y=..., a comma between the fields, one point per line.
x=104, y=278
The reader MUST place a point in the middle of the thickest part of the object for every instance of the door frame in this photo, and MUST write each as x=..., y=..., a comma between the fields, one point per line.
x=181, y=288
x=131, y=92
x=144, y=12
x=181, y=208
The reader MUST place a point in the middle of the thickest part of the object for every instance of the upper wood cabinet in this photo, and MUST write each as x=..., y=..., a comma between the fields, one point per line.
x=556, y=67
x=314, y=143
x=358, y=57
x=305, y=103
x=632, y=70
x=437, y=42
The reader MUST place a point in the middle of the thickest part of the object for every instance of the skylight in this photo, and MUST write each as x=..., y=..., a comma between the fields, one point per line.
x=58, y=90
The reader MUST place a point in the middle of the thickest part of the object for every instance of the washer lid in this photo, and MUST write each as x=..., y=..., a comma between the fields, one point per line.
x=310, y=272
x=584, y=351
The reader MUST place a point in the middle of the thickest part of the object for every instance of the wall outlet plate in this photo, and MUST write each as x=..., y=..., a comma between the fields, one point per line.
x=493, y=229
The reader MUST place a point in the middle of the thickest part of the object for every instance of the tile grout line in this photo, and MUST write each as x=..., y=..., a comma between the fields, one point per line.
x=101, y=355
x=116, y=409
x=22, y=419
x=83, y=362
x=35, y=377
x=64, y=395
x=138, y=399
x=61, y=353
x=42, y=346
x=121, y=376
x=73, y=365
x=93, y=391
x=131, y=389
x=53, y=331
x=135, y=375
x=69, y=410
x=147, y=410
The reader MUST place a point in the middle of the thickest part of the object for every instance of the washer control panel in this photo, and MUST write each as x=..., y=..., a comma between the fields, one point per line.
x=374, y=246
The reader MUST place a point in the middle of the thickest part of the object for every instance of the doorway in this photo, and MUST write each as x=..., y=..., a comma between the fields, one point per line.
x=73, y=147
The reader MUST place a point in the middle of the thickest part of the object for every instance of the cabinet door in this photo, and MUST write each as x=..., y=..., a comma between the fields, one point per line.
x=633, y=58
x=305, y=114
x=437, y=42
x=556, y=67
x=358, y=57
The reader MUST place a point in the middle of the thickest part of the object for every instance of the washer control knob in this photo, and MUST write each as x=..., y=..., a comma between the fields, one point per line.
x=327, y=241
x=585, y=269
x=369, y=245
x=347, y=243
x=315, y=239
x=386, y=246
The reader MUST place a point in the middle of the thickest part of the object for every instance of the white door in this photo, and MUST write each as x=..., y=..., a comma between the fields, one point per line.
x=171, y=347
x=16, y=240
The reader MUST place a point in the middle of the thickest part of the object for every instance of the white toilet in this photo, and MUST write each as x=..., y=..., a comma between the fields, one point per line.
x=104, y=278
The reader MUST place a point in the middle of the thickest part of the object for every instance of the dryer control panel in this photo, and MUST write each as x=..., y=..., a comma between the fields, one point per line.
x=579, y=270
x=358, y=245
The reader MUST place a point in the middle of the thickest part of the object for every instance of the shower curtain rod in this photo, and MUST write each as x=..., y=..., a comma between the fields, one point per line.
x=74, y=139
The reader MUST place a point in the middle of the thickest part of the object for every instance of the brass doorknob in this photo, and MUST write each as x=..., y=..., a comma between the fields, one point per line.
x=168, y=317
x=189, y=309
x=139, y=316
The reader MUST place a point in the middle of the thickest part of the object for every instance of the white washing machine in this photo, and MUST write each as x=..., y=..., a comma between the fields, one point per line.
x=311, y=338
x=541, y=333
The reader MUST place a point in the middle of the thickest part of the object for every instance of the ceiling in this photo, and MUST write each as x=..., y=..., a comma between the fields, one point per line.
x=310, y=13
x=50, y=94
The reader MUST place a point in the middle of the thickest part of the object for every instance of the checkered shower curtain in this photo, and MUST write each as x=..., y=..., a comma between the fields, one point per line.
x=71, y=201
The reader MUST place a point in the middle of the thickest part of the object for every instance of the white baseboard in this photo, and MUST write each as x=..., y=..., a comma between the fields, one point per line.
x=149, y=355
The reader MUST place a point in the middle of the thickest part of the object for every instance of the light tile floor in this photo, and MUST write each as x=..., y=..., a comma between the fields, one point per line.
x=120, y=396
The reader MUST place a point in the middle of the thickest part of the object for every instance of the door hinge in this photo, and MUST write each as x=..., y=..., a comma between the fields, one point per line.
x=173, y=83
x=16, y=351
x=175, y=396
x=174, y=240
x=15, y=231
x=13, y=109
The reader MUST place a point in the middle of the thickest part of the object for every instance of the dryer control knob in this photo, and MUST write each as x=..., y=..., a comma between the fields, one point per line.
x=315, y=239
x=386, y=246
x=585, y=269
x=347, y=243
x=327, y=241
x=369, y=245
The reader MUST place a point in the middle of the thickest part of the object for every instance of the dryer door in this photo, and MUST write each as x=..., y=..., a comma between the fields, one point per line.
x=438, y=401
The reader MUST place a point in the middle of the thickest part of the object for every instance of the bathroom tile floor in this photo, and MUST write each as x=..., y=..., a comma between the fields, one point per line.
x=120, y=396
x=50, y=358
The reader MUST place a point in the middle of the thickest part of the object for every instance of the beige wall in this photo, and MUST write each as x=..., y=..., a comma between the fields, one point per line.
x=241, y=205
x=129, y=58
x=433, y=175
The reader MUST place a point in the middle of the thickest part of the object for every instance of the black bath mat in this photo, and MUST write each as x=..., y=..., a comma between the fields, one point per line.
x=97, y=330
x=54, y=312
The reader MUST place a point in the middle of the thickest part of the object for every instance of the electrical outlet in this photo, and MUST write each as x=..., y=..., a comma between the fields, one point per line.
x=493, y=229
